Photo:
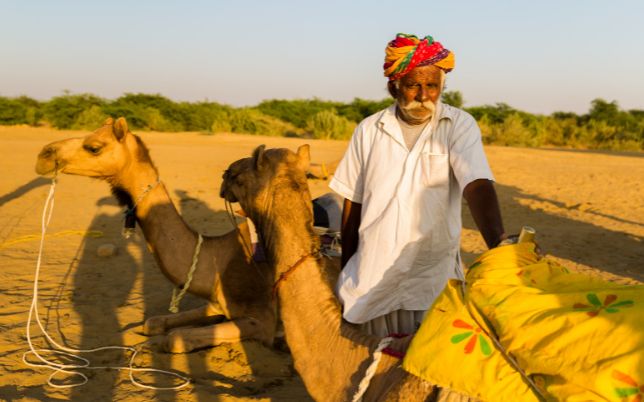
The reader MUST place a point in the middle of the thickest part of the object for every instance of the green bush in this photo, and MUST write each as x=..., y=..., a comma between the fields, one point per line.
x=201, y=116
x=252, y=121
x=90, y=119
x=12, y=112
x=299, y=111
x=327, y=125
x=221, y=122
x=359, y=109
x=63, y=111
x=453, y=98
x=605, y=126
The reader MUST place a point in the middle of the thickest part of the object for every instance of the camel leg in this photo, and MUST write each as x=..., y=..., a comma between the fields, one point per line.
x=185, y=340
x=202, y=315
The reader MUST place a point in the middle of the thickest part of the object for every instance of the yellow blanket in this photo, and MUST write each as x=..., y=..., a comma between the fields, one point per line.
x=575, y=337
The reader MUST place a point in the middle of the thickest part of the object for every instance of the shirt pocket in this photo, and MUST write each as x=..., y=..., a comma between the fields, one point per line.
x=435, y=169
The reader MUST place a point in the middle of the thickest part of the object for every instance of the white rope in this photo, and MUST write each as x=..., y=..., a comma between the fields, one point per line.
x=128, y=231
x=371, y=370
x=69, y=352
x=178, y=295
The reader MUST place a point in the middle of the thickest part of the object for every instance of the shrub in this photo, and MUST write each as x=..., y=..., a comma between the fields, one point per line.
x=221, y=122
x=62, y=111
x=359, y=109
x=21, y=110
x=453, y=98
x=252, y=121
x=295, y=111
x=200, y=116
x=12, y=112
x=90, y=119
x=328, y=125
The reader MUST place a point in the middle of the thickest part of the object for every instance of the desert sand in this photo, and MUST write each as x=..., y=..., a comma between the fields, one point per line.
x=587, y=207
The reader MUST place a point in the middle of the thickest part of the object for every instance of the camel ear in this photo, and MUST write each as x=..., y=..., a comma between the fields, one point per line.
x=258, y=157
x=304, y=157
x=120, y=128
x=108, y=122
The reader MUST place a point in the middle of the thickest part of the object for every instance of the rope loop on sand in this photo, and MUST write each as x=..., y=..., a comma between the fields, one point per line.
x=61, y=350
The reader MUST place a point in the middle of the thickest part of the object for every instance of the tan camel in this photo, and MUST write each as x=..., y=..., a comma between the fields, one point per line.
x=330, y=354
x=224, y=275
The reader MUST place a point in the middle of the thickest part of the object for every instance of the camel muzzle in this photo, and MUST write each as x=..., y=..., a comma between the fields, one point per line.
x=47, y=161
x=227, y=195
x=224, y=192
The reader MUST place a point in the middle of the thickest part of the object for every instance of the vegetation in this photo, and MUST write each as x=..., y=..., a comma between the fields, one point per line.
x=605, y=126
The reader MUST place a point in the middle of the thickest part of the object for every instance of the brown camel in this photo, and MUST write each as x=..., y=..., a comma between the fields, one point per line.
x=330, y=354
x=225, y=274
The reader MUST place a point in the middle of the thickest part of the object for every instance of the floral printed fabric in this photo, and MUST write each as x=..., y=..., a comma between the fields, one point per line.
x=577, y=337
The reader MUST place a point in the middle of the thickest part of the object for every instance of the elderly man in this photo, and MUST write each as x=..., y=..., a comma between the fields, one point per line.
x=403, y=177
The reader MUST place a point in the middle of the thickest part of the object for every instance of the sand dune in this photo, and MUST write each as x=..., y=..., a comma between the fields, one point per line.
x=588, y=208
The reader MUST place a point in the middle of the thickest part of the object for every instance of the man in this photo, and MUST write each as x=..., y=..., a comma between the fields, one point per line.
x=403, y=177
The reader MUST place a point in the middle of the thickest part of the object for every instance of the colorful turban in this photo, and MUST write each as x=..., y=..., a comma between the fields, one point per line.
x=407, y=52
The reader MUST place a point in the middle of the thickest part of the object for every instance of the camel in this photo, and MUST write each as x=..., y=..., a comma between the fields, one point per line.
x=225, y=274
x=331, y=355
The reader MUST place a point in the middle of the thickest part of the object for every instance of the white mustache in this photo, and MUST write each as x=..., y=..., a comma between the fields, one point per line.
x=417, y=105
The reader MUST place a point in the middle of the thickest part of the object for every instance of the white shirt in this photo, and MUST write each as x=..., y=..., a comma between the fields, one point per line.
x=410, y=224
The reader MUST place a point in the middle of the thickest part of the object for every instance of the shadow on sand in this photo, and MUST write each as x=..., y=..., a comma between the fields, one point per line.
x=102, y=286
x=580, y=242
x=25, y=188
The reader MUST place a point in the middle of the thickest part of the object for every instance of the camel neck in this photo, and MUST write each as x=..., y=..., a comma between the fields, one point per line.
x=329, y=353
x=170, y=240
x=320, y=341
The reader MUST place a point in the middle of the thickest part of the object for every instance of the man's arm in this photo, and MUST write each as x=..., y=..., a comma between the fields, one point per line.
x=484, y=206
x=349, y=230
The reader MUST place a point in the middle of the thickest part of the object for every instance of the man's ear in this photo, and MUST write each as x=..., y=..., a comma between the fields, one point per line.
x=120, y=128
x=392, y=88
x=304, y=157
x=258, y=157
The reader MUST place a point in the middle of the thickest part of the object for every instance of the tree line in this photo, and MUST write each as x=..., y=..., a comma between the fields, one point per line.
x=605, y=126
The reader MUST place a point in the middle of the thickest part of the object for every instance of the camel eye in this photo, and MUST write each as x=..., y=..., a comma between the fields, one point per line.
x=92, y=149
x=233, y=177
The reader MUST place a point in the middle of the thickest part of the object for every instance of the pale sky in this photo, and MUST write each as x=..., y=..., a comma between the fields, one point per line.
x=538, y=56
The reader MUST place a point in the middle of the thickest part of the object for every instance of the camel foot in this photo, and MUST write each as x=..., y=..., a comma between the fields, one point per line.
x=154, y=326
x=177, y=342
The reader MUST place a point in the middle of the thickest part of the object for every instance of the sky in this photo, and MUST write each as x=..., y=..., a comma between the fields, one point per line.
x=538, y=56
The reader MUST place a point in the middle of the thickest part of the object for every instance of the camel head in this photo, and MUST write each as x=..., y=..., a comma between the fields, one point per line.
x=106, y=153
x=254, y=181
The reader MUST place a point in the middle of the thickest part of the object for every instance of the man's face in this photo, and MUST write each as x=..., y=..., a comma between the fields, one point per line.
x=417, y=93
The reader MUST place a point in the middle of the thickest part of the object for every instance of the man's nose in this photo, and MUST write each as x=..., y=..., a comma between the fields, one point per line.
x=423, y=94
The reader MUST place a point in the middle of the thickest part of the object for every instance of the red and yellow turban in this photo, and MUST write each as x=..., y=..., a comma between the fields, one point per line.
x=407, y=52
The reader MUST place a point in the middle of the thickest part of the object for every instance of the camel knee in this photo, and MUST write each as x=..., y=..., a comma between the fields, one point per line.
x=154, y=326
x=263, y=331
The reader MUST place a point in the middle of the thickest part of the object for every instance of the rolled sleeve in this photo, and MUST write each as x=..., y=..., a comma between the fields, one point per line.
x=467, y=158
x=348, y=179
